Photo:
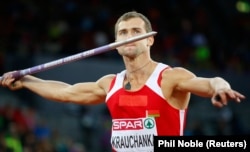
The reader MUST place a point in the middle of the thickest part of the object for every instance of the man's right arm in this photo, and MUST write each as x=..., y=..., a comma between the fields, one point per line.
x=80, y=93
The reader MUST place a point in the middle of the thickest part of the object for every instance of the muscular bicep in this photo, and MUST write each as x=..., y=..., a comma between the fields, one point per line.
x=183, y=81
x=88, y=92
x=84, y=93
x=195, y=85
x=179, y=83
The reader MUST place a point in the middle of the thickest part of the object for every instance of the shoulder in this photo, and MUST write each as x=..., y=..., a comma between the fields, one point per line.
x=176, y=74
x=106, y=78
x=105, y=81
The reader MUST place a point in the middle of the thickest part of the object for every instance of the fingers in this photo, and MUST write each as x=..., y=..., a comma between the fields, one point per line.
x=7, y=80
x=217, y=101
x=10, y=81
x=239, y=96
x=222, y=97
x=234, y=95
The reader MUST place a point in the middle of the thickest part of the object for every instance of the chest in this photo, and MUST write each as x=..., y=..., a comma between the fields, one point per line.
x=123, y=103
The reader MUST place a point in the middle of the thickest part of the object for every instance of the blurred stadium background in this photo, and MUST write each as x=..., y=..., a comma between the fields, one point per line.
x=208, y=37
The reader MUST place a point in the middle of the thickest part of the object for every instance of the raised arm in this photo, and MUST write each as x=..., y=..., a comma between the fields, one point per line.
x=80, y=93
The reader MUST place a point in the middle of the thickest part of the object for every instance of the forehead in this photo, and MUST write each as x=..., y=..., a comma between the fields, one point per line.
x=131, y=24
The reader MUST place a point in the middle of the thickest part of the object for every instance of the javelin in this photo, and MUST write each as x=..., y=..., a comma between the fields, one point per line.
x=78, y=56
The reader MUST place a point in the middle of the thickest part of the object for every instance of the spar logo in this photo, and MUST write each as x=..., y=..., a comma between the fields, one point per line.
x=133, y=124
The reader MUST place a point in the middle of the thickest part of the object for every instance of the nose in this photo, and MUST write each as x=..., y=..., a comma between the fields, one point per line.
x=129, y=35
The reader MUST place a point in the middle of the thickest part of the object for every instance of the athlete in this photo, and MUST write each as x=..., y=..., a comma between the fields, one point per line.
x=148, y=98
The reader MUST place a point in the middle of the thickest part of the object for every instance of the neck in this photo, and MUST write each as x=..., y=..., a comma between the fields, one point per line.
x=128, y=74
x=139, y=68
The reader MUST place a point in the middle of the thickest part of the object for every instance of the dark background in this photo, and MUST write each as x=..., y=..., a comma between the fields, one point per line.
x=208, y=37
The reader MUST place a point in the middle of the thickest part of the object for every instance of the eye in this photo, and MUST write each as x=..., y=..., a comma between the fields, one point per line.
x=123, y=32
x=136, y=32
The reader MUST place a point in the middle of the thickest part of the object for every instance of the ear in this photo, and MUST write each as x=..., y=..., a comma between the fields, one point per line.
x=150, y=41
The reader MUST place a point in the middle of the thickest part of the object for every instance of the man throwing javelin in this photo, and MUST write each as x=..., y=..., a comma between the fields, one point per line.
x=148, y=98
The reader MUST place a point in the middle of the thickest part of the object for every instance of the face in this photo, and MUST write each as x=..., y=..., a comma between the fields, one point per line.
x=130, y=28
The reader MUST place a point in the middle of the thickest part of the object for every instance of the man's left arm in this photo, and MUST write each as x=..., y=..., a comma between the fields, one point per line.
x=218, y=89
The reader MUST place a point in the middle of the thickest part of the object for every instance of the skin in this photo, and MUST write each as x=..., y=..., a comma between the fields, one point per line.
x=177, y=83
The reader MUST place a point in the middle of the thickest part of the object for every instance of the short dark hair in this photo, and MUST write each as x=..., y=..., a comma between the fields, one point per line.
x=134, y=14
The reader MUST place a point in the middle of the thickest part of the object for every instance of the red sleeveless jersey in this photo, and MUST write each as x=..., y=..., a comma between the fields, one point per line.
x=139, y=115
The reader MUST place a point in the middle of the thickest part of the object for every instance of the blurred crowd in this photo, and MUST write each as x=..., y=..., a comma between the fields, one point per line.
x=196, y=34
x=22, y=129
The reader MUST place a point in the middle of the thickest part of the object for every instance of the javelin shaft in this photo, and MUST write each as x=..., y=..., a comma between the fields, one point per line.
x=78, y=56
